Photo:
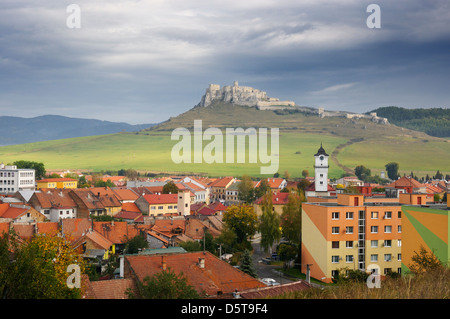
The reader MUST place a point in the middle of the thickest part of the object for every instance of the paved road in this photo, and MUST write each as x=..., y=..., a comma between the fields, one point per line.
x=263, y=270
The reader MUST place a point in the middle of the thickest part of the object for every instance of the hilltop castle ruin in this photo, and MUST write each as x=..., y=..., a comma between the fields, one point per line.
x=251, y=97
x=240, y=95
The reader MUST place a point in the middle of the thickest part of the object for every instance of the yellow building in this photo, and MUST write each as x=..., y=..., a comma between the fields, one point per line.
x=57, y=183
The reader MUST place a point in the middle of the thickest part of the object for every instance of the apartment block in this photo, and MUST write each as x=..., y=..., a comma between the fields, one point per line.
x=350, y=233
x=13, y=179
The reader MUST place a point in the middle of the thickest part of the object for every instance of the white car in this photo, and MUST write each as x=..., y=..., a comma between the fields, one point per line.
x=269, y=282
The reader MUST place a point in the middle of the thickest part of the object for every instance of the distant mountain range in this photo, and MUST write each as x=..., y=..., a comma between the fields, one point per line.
x=18, y=130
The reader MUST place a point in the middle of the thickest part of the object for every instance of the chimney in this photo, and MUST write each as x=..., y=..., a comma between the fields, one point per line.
x=201, y=263
x=163, y=263
x=121, y=267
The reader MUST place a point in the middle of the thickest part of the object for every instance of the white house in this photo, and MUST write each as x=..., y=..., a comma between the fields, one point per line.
x=13, y=179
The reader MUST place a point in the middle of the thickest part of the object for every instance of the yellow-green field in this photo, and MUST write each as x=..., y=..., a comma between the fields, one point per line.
x=151, y=152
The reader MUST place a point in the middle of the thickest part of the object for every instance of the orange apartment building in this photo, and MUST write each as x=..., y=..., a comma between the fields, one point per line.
x=349, y=232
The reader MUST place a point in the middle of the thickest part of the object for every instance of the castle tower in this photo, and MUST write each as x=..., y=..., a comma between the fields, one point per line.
x=321, y=170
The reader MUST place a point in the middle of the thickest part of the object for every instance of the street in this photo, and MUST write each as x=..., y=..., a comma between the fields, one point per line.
x=263, y=270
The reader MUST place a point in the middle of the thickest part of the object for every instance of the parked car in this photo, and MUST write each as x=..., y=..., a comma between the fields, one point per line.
x=269, y=282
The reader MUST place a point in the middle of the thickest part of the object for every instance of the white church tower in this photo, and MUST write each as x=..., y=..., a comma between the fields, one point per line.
x=321, y=170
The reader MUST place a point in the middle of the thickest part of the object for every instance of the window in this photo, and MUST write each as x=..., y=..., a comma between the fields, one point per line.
x=160, y=207
x=399, y=243
x=334, y=259
x=399, y=257
x=334, y=244
x=388, y=243
x=374, y=258
x=153, y=207
x=388, y=215
x=399, y=228
x=387, y=257
x=374, y=243
x=349, y=230
x=349, y=215
x=374, y=229
x=335, y=230
x=349, y=244
x=335, y=215
x=388, y=229
x=349, y=258
x=170, y=207
x=399, y=214
x=374, y=215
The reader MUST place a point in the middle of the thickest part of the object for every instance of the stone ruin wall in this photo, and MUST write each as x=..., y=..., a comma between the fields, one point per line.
x=248, y=96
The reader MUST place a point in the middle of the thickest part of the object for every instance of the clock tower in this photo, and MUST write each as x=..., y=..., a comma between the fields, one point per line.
x=321, y=170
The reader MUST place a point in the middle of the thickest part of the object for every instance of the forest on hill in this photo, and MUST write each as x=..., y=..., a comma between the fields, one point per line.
x=433, y=121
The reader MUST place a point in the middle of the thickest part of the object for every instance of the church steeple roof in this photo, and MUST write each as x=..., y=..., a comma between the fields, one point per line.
x=321, y=151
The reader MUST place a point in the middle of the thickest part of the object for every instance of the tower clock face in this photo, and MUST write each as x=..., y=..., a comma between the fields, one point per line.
x=321, y=157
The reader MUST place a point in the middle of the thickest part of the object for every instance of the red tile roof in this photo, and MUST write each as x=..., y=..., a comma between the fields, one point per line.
x=216, y=277
x=206, y=211
x=161, y=199
x=277, y=199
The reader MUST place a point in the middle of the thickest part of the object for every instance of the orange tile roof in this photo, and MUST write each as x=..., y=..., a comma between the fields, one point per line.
x=125, y=194
x=13, y=212
x=128, y=215
x=99, y=240
x=48, y=228
x=274, y=182
x=216, y=277
x=53, y=198
x=405, y=182
x=73, y=228
x=222, y=182
x=4, y=228
x=130, y=207
x=50, y=180
x=90, y=200
x=110, y=289
x=161, y=199
x=118, y=232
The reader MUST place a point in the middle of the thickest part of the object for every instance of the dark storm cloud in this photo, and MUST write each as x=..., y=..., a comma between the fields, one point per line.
x=143, y=61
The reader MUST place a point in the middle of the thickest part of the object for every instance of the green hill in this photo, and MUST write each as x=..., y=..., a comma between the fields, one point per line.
x=350, y=142
x=433, y=121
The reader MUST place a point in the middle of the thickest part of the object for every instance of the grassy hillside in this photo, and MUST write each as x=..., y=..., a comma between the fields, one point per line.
x=350, y=142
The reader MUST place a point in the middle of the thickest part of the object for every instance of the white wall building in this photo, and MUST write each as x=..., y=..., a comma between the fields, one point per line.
x=13, y=179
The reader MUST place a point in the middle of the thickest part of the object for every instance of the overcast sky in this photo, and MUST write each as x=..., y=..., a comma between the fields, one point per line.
x=144, y=61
